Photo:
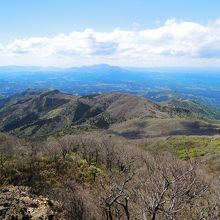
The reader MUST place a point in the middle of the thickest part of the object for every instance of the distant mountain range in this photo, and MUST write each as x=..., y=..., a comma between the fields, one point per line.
x=34, y=69
x=38, y=113
x=14, y=68
x=155, y=84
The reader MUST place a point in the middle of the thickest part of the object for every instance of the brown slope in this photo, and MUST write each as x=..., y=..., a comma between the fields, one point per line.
x=44, y=113
x=155, y=127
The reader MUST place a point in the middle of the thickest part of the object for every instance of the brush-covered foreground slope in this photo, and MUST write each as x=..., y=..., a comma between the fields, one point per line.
x=40, y=113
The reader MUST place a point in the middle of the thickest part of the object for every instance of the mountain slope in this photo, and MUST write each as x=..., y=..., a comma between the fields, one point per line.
x=45, y=112
x=40, y=113
x=192, y=108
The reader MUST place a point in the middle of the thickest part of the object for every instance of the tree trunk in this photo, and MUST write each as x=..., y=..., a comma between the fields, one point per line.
x=109, y=214
x=126, y=209
x=154, y=214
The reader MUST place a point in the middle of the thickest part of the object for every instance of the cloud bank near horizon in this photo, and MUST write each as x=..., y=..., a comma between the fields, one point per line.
x=175, y=43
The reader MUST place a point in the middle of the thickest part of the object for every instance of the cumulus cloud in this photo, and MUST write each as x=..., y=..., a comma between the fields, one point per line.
x=174, y=40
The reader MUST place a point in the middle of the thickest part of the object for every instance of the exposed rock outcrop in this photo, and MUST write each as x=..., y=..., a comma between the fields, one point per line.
x=17, y=203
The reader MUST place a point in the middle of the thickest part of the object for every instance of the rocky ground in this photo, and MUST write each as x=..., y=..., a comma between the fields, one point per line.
x=17, y=203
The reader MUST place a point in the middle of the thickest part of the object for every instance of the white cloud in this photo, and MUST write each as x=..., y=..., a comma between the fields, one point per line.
x=174, y=43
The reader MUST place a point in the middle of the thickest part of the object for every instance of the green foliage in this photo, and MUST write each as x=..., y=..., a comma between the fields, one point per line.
x=188, y=147
x=44, y=172
x=206, y=149
x=86, y=172
x=186, y=154
x=52, y=114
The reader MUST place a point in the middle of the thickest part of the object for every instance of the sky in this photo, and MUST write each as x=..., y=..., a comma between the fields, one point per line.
x=138, y=33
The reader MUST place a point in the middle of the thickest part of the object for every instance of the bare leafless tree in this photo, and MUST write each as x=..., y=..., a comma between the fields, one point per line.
x=168, y=185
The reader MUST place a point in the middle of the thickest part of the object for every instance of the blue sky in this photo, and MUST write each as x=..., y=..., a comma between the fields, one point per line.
x=25, y=19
